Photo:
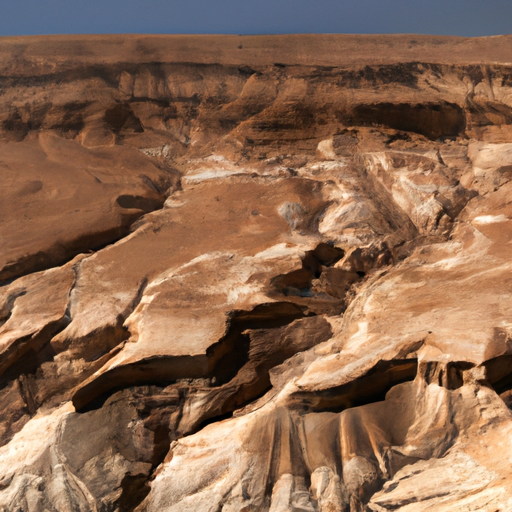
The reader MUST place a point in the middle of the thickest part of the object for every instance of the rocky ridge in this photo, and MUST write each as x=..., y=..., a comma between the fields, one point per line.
x=255, y=274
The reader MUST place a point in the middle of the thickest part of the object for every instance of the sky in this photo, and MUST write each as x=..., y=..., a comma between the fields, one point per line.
x=443, y=17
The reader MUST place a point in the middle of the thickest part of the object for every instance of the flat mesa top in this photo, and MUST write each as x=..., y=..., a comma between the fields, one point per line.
x=304, y=49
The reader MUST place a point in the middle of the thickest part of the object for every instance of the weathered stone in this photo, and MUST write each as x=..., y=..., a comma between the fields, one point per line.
x=255, y=274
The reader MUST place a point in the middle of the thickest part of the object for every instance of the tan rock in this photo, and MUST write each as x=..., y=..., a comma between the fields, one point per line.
x=251, y=273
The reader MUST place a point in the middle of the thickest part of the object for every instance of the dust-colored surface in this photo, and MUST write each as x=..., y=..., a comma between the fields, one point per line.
x=253, y=273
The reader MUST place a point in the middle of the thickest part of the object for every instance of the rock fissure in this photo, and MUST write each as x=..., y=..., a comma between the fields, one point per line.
x=219, y=365
x=366, y=389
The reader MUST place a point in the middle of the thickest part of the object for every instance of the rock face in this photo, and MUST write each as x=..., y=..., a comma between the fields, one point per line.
x=255, y=274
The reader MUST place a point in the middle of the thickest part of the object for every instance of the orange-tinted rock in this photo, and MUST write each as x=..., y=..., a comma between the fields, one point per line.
x=255, y=273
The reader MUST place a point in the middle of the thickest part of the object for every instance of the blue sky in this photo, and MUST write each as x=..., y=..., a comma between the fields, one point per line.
x=447, y=17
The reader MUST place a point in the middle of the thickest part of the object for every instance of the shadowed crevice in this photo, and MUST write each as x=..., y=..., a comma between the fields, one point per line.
x=368, y=388
x=433, y=120
x=220, y=363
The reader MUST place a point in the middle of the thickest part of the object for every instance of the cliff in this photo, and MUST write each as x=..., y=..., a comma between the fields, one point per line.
x=251, y=273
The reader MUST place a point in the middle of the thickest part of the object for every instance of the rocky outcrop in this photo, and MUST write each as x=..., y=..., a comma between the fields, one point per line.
x=255, y=274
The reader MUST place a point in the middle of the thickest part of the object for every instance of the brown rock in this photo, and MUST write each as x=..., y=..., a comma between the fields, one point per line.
x=251, y=273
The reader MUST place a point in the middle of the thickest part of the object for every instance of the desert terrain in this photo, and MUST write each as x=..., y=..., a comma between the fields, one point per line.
x=255, y=273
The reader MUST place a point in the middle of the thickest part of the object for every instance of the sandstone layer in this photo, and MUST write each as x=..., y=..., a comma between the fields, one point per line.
x=255, y=274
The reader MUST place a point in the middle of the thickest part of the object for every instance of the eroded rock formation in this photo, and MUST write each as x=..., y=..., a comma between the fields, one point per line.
x=255, y=274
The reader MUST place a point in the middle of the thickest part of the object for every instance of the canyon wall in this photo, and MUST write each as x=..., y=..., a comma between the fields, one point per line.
x=251, y=273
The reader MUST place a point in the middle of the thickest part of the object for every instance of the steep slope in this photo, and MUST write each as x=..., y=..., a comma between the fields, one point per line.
x=255, y=273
